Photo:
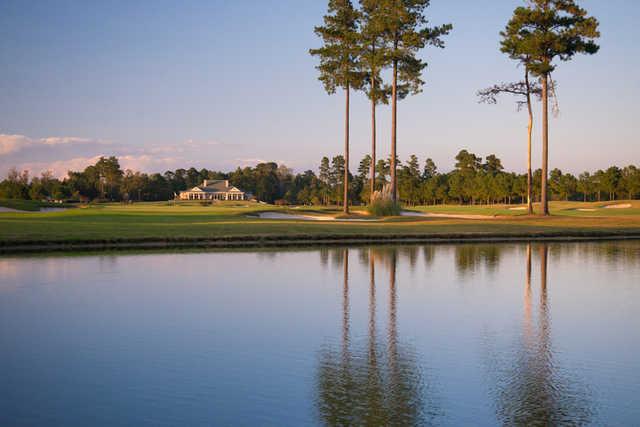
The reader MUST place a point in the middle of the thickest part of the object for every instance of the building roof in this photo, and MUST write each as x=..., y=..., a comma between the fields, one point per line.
x=216, y=186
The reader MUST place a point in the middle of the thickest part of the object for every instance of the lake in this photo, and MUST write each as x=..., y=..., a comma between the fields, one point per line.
x=495, y=334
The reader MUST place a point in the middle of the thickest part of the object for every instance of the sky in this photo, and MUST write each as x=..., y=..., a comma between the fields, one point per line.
x=221, y=84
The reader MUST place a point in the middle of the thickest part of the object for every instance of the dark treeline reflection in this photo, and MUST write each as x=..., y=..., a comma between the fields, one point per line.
x=376, y=382
x=530, y=389
x=469, y=258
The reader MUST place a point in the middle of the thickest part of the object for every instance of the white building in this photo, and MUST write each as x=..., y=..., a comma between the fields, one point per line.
x=214, y=190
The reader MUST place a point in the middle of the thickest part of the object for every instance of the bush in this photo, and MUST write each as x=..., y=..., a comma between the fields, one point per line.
x=383, y=204
x=206, y=203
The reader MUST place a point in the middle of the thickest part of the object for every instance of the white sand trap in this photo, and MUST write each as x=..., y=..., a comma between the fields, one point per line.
x=620, y=206
x=587, y=210
x=454, y=216
x=279, y=215
x=519, y=208
x=42, y=210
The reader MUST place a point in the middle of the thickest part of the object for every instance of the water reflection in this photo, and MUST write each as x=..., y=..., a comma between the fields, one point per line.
x=532, y=390
x=470, y=257
x=372, y=383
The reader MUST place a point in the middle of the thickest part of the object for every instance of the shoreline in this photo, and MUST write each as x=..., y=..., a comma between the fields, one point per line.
x=268, y=241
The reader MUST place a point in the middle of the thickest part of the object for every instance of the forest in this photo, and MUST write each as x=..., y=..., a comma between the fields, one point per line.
x=474, y=180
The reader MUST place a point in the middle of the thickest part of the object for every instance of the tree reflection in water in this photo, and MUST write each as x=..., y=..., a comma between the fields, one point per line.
x=532, y=390
x=372, y=384
x=470, y=256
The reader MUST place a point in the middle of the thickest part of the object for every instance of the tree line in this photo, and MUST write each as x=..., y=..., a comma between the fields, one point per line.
x=474, y=180
x=358, y=43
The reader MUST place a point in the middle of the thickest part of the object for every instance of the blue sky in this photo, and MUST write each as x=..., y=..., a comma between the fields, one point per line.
x=219, y=84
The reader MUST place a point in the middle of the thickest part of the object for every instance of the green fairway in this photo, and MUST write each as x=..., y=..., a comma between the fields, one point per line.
x=599, y=209
x=168, y=220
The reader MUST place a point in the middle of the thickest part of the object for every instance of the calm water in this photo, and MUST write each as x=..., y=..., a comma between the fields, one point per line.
x=416, y=335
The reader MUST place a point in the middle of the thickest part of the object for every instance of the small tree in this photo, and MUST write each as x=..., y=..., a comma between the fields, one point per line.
x=543, y=31
x=339, y=67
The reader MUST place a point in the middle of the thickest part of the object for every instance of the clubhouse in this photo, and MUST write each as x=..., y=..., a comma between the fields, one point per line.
x=214, y=190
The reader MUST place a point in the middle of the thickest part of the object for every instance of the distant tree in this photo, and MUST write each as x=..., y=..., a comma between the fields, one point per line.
x=337, y=177
x=364, y=169
x=339, y=66
x=430, y=169
x=543, y=31
x=610, y=180
x=15, y=186
x=599, y=183
x=630, y=181
x=324, y=176
x=382, y=173
x=406, y=33
x=492, y=165
x=467, y=162
x=585, y=185
x=409, y=181
x=267, y=183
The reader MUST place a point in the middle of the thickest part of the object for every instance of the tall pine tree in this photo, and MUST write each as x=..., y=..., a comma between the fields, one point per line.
x=524, y=90
x=374, y=58
x=339, y=66
x=406, y=33
x=544, y=31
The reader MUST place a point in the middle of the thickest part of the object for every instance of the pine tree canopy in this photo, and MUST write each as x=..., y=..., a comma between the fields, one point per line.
x=375, y=54
x=407, y=31
x=339, y=55
x=548, y=29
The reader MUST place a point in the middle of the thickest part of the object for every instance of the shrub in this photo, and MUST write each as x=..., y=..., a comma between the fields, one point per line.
x=383, y=204
x=206, y=203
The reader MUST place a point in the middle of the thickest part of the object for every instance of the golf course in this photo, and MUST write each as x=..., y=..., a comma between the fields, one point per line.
x=113, y=225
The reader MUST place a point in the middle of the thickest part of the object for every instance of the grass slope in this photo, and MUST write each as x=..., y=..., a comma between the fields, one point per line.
x=26, y=205
x=112, y=222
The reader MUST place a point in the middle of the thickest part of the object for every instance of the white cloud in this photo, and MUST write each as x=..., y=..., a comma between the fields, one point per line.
x=15, y=143
x=12, y=143
x=60, y=154
x=59, y=168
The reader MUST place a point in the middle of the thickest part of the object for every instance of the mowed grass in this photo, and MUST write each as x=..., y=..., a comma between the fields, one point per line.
x=167, y=220
x=575, y=209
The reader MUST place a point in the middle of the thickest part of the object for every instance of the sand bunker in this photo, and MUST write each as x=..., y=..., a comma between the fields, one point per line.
x=42, y=210
x=519, y=208
x=454, y=216
x=620, y=206
x=587, y=210
x=300, y=217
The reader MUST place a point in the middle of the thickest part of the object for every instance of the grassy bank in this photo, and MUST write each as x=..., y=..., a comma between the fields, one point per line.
x=26, y=205
x=185, y=223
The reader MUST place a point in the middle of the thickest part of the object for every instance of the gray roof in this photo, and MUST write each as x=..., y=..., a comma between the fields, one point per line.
x=217, y=186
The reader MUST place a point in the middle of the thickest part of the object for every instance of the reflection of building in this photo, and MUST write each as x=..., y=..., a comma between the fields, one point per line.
x=214, y=190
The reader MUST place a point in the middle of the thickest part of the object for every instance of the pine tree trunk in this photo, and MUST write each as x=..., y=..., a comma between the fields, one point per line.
x=529, y=135
x=373, y=139
x=346, y=153
x=394, y=124
x=545, y=144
